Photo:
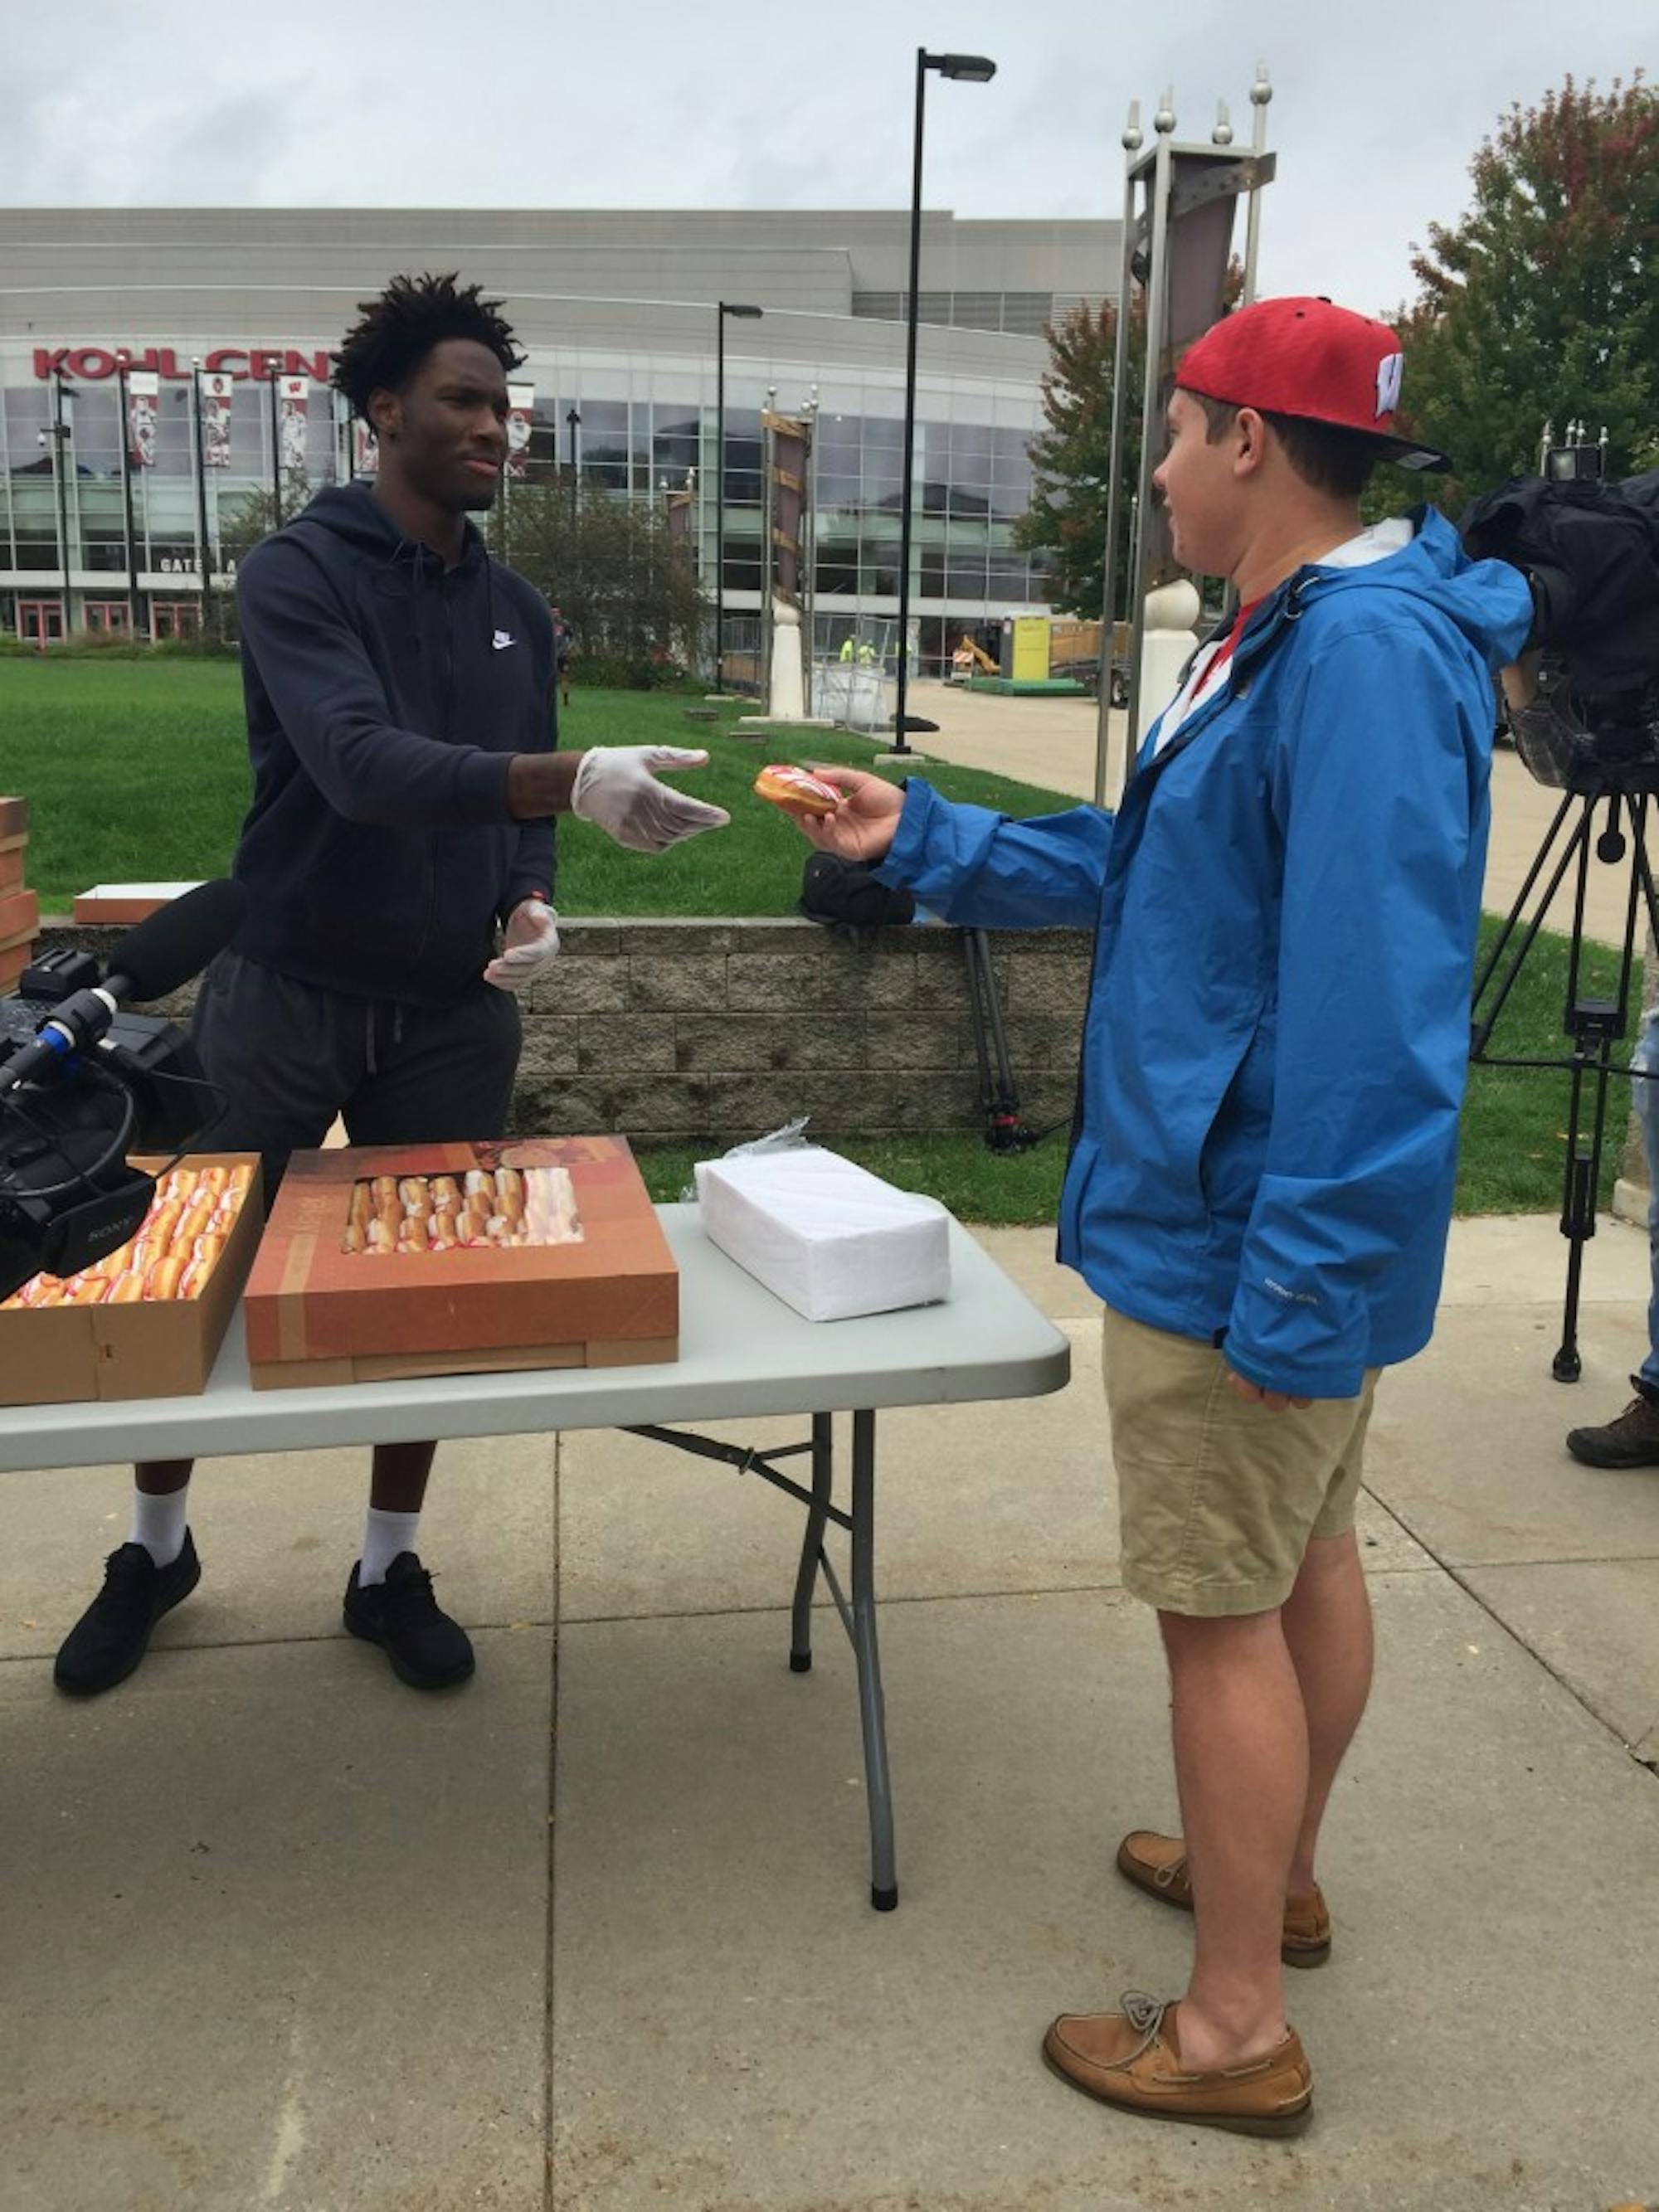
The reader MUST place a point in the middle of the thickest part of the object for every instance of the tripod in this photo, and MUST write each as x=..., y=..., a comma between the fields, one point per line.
x=1594, y=1025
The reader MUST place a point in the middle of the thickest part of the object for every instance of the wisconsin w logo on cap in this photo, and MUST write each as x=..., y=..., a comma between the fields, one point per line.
x=1388, y=372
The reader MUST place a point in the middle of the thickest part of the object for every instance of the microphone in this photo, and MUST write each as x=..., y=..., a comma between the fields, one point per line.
x=156, y=957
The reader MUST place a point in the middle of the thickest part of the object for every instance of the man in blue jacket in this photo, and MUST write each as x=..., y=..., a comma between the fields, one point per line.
x=399, y=862
x=1261, y=1180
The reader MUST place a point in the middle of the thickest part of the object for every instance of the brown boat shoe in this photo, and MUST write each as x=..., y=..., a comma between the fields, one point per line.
x=1131, y=2059
x=1158, y=1864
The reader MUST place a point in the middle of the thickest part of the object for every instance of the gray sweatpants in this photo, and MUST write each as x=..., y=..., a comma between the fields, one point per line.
x=290, y=1058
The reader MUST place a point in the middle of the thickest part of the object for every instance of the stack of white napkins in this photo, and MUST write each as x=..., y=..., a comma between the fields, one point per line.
x=826, y=1236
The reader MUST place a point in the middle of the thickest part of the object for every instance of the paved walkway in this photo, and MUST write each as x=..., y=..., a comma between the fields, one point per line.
x=592, y=1933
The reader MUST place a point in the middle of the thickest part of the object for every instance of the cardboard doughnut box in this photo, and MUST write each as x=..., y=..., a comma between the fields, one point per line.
x=383, y=1261
x=145, y=1321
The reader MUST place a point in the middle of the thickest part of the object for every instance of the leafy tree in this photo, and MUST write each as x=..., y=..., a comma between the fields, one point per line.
x=255, y=515
x=623, y=584
x=1071, y=458
x=1542, y=304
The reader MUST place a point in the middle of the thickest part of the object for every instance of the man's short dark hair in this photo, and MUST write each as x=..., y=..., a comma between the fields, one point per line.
x=382, y=351
x=1329, y=459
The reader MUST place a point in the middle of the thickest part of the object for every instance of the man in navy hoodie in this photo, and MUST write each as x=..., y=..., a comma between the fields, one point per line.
x=399, y=862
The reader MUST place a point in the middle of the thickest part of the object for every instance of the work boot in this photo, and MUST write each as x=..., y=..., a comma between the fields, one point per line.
x=1159, y=1865
x=113, y=1634
x=427, y=1649
x=1630, y=1441
x=1131, y=2059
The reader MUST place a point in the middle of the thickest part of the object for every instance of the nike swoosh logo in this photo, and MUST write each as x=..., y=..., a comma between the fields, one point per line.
x=502, y=639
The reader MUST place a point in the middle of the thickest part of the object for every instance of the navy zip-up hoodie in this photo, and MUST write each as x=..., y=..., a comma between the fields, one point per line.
x=385, y=696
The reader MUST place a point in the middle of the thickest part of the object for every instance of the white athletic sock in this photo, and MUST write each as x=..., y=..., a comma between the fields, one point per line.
x=385, y=1535
x=158, y=1523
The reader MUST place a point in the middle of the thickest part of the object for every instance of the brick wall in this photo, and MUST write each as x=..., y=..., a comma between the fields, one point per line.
x=718, y=1030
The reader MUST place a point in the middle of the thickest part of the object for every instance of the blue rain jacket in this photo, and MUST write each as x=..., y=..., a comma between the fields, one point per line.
x=1285, y=907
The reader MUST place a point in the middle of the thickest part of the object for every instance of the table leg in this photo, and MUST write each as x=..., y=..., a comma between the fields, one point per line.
x=884, y=1881
x=811, y=1550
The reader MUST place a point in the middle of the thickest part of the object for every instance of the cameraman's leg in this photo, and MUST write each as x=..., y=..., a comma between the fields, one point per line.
x=1631, y=1439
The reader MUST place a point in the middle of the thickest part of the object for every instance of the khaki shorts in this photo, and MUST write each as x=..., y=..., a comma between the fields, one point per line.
x=1218, y=1498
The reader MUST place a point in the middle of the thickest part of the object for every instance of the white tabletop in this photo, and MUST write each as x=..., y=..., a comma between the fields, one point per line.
x=742, y=1352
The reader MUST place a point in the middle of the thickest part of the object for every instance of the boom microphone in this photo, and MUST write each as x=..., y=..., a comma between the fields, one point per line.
x=156, y=957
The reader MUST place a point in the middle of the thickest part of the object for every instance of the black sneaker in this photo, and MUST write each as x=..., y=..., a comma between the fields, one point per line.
x=427, y=1649
x=1630, y=1441
x=113, y=1634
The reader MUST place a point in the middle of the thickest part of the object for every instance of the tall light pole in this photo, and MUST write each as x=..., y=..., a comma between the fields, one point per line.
x=60, y=464
x=723, y=308
x=971, y=69
x=573, y=423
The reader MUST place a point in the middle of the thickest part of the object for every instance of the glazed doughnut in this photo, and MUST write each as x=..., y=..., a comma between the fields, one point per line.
x=796, y=790
x=162, y=1282
x=355, y=1240
x=384, y=1190
x=126, y=1289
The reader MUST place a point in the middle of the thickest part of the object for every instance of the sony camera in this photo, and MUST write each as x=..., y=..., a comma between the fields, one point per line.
x=1590, y=551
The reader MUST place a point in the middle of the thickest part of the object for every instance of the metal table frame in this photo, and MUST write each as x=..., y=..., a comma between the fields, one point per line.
x=742, y=1353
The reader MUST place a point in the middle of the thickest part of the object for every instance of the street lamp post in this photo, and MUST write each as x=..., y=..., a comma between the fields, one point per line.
x=573, y=423
x=723, y=308
x=204, y=542
x=971, y=69
x=124, y=436
x=60, y=450
x=275, y=448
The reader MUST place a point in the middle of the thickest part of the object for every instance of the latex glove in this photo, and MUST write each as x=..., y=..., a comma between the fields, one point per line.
x=530, y=944
x=615, y=789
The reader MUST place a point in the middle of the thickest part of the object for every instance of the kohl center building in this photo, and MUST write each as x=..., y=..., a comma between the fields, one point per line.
x=165, y=371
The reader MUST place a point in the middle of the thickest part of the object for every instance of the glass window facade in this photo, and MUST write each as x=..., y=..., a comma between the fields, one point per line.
x=633, y=425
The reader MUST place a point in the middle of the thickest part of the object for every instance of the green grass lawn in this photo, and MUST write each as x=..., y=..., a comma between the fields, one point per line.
x=137, y=770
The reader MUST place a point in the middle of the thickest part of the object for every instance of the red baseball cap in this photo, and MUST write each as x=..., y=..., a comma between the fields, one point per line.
x=1308, y=358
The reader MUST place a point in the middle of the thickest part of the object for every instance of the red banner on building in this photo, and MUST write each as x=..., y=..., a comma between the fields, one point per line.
x=520, y=403
x=294, y=393
x=215, y=394
x=143, y=388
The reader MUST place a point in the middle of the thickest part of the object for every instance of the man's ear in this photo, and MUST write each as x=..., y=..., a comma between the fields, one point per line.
x=1251, y=447
x=385, y=413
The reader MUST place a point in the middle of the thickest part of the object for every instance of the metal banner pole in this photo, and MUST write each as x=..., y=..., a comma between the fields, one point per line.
x=1157, y=315
x=1110, y=773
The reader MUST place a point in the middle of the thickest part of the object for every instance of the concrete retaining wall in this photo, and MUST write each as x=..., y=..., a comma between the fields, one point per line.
x=684, y=1031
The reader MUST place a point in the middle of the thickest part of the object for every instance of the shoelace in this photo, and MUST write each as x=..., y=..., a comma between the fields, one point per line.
x=123, y=1572
x=411, y=1594
x=1146, y=2015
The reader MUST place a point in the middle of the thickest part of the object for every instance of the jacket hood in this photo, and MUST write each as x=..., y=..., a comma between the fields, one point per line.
x=1488, y=601
x=352, y=513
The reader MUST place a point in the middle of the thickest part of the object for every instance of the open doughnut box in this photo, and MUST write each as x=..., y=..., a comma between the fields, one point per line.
x=384, y=1261
x=145, y=1321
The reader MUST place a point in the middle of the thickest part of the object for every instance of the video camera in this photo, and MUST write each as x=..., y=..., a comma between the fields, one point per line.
x=1590, y=551
x=82, y=1081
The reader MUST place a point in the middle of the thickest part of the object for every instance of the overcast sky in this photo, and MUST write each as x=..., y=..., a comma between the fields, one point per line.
x=1376, y=111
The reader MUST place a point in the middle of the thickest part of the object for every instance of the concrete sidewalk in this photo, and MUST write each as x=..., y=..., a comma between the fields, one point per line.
x=592, y=1933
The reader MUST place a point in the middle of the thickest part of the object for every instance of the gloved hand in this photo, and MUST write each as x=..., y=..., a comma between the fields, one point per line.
x=617, y=790
x=530, y=944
